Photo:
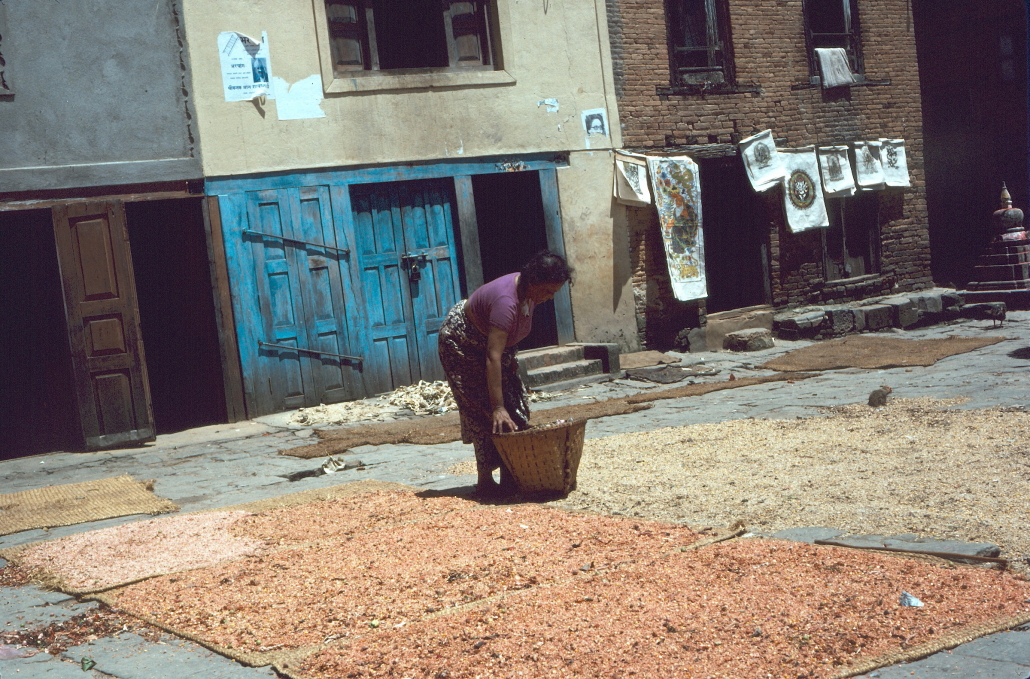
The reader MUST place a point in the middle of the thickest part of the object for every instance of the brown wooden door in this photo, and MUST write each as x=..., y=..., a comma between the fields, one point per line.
x=108, y=366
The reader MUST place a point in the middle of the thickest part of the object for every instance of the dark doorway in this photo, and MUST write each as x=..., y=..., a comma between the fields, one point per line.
x=177, y=314
x=973, y=86
x=734, y=238
x=510, y=215
x=37, y=404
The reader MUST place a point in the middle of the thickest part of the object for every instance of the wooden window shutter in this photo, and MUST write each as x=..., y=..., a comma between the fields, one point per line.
x=467, y=35
x=349, y=32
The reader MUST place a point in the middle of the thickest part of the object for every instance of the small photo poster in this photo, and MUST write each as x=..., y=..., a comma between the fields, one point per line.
x=595, y=122
x=246, y=67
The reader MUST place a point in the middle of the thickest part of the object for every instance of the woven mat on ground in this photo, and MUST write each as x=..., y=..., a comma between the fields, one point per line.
x=874, y=352
x=399, y=584
x=447, y=428
x=667, y=374
x=643, y=359
x=78, y=503
x=94, y=561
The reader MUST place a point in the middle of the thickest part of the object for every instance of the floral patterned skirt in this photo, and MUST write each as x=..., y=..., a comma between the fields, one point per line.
x=463, y=354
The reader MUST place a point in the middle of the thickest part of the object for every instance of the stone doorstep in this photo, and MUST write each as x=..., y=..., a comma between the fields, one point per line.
x=548, y=356
x=564, y=372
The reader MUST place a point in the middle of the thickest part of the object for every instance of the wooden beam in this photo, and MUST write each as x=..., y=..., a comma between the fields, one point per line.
x=232, y=377
x=468, y=227
x=556, y=244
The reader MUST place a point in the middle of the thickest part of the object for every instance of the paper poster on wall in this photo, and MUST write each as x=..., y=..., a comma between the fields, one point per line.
x=595, y=124
x=677, y=195
x=246, y=66
x=631, y=180
x=300, y=100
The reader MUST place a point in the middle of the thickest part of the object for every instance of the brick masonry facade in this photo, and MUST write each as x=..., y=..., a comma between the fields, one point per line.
x=771, y=62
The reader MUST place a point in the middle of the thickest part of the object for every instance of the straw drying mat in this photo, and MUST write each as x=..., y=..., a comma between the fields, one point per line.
x=873, y=352
x=447, y=428
x=78, y=503
x=400, y=584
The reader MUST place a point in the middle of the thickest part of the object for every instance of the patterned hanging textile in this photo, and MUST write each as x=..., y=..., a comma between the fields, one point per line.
x=894, y=162
x=677, y=196
x=763, y=164
x=835, y=169
x=802, y=193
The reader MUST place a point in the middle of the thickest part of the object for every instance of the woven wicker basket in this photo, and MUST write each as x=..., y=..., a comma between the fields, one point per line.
x=544, y=459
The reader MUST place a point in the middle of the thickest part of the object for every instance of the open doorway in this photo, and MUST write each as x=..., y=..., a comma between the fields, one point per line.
x=38, y=412
x=510, y=215
x=735, y=260
x=177, y=313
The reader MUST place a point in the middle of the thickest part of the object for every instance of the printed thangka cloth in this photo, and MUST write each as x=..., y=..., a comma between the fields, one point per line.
x=677, y=196
x=802, y=193
x=835, y=168
x=631, y=180
x=893, y=162
x=868, y=171
x=763, y=163
x=834, y=66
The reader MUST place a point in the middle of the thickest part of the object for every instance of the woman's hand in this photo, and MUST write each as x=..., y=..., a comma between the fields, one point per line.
x=502, y=421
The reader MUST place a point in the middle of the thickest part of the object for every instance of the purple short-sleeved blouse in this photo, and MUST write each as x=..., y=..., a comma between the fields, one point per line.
x=497, y=304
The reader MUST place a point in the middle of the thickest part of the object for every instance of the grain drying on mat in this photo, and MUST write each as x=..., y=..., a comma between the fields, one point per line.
x=915, y=466
x=750, y=608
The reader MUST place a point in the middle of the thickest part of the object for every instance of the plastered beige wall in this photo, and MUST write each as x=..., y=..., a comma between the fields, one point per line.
x=552, y=50
x=596, y=244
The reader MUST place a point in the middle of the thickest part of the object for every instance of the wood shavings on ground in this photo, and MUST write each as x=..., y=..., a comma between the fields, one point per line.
x=103, y=558
x=755, y=608
x=342, y=413
x=423, y=398
x=915, y=466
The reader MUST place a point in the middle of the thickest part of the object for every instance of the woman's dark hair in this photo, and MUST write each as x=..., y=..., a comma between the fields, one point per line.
x=546, y=267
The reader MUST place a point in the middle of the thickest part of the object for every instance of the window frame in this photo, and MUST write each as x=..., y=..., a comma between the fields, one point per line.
x=497, y=30
x=852, y=37
x=719, y=45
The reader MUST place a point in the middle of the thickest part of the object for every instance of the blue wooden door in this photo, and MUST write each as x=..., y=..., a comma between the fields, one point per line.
x=302, y=288
x=404, y=233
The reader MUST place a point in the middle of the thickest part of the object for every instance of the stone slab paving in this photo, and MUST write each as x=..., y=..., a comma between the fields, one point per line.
x=223, y=465
x=130, y=656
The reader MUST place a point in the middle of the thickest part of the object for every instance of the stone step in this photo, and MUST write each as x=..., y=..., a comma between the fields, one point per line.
x=570, y=371
x=548, y=356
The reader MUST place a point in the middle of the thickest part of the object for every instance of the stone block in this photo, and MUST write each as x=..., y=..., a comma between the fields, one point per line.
x=878, y=316
x=697, y=339
x=859, y=316
x=807, y=324
x=904, y=313
x=928, y=302
x=718, y=325
x=840, y=321
x=752, y=339
x=951, y=299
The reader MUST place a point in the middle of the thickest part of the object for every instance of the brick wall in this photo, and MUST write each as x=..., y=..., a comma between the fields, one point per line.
x=770, y=56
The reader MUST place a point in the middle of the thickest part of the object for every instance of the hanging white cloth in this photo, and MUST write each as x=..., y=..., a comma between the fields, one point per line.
x=835, y=169
x=677, y=197
x=894, y=162
x=834, y=66
x=764, y=166
x=802, y=192
x=868, y=171
x=631, y=180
